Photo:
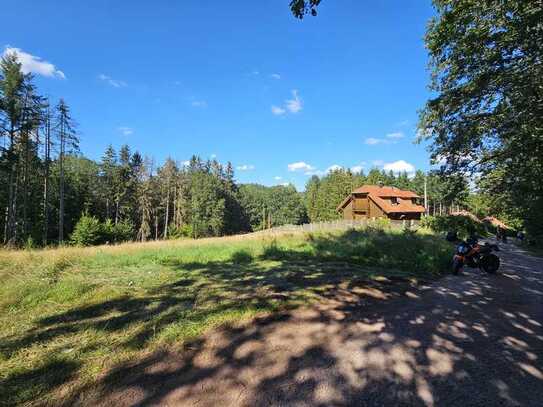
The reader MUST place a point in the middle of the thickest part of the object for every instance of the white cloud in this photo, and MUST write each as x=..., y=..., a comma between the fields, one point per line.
x=403, y=123
x=278, y=111
x=378, y=163
x=275, y=76
x=399, y=166
x=334, y=167
x=113, y=82
x=33, y=64
x=186, y=163
x=294, y=105
x=245, y=167
x=213, y=156
x=319, y=173
x=125, y=131
x=300, y=166
x=391, y=138
x=357, y=169
x=199, y=103
x=278, y=178
x=285, y=184
x=372, y=141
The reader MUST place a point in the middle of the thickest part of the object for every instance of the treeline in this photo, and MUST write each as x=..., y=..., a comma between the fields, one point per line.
x=33, y=131
x=50, y=193
x=323, y=195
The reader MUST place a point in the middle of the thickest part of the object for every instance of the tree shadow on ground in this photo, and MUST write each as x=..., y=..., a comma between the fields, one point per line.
x=369, y=341
x=472, y=341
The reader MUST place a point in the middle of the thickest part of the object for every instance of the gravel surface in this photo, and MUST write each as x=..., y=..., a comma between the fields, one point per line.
x=470, y=340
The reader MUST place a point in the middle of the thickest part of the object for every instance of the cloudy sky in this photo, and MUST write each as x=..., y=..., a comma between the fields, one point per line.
x=282, y=99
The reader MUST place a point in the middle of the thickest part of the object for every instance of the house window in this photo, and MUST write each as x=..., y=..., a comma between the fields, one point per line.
x=394, y=201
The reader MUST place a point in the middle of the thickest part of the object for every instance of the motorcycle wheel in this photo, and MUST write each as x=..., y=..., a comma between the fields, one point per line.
x=490, y=264
x=457, y=266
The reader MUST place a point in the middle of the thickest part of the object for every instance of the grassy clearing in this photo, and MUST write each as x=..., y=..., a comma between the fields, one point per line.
x=68, y=314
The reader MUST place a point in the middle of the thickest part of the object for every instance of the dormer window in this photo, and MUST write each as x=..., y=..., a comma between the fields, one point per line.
x=394, y=201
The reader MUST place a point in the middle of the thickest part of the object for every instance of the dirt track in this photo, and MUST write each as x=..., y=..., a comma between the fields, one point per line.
x=471, y=340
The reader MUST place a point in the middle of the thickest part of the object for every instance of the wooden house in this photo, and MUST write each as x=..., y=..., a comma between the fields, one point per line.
x=374, y=201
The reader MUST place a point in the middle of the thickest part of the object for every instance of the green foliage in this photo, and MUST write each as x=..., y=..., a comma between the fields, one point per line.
x=486, y=117
x=300, y=8
x=180, y=232
x=323, y=195
x=463, y=225
x=88, y=231
x=271, y=206
x=123, y=231
x=68, y=314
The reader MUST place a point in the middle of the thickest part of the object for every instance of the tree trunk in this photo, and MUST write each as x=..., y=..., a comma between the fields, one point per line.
x=167, y=214
x=156, y=225
x=46, y=180
x=61, y=205
x=12, y=204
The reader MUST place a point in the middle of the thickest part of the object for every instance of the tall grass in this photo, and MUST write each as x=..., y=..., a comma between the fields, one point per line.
x=68, y=314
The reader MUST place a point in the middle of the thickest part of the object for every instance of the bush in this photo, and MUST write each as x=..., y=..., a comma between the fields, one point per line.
x=123, y=231
x=180, y=232
x=463, y=225
x=108, y=231
x=87, y=232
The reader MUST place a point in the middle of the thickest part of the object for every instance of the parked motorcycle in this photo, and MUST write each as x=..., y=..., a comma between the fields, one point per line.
x=475, y=255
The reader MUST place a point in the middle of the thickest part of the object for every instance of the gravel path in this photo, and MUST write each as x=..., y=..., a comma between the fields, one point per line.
x=471, y=340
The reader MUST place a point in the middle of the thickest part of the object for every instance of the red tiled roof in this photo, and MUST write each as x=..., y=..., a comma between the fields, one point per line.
x=385, y=192
x=377, y=193
x=403, y=205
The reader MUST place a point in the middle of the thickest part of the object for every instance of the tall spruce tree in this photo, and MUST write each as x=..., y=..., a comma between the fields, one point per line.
x=68, y=142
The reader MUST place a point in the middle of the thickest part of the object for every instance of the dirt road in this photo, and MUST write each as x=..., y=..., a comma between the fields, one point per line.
x=472, y=340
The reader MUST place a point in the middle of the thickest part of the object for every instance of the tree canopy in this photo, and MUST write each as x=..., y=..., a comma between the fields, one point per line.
x=486, y=119
x=300, y=8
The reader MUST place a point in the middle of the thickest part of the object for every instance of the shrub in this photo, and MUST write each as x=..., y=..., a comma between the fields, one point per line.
x=108, y=232
x=180, y=232
x=463, y=225
x=88, y=231
x=123, y=231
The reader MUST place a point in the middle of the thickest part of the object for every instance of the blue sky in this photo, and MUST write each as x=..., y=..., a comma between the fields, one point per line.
x=242, y=81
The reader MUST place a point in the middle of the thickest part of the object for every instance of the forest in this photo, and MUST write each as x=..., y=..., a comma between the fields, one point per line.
x=52, y=194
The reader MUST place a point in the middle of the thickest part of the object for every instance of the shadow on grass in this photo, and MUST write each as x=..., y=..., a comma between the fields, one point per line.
x=473, y=342
x=327, y=267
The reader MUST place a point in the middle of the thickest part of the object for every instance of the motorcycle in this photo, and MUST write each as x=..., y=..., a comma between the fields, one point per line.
x=475, y=255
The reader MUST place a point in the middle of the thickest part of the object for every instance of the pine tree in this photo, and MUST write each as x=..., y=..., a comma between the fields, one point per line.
x=68, y=141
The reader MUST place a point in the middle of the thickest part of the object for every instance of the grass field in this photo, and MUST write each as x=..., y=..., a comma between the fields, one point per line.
x=69, y=314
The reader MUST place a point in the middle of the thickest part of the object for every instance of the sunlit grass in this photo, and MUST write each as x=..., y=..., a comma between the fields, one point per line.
x=68, y=314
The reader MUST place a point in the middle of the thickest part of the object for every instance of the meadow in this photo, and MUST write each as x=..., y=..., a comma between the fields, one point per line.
x=70, y=314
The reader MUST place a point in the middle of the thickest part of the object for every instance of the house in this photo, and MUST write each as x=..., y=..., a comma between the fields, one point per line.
x=374, y=201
